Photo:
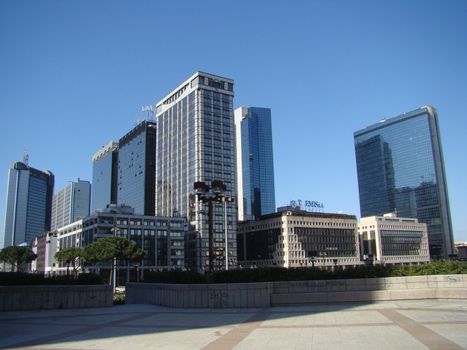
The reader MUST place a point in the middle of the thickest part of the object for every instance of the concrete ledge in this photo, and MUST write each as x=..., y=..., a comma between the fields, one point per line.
x=264, y=294
x=54, y=297
x=234, y=295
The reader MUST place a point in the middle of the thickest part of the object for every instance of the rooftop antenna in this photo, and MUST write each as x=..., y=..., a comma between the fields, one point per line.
x=26, y=157
x=149, y=110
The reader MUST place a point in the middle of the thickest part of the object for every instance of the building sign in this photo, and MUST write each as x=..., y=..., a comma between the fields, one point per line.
x=307, y=205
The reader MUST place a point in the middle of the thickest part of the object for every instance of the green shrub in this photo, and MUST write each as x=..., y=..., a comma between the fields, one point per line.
x=308, y=273
x=119, y=298
x=176, y=276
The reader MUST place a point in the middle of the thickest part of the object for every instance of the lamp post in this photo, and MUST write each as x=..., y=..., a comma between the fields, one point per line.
x=226, y=250
x=208, y=195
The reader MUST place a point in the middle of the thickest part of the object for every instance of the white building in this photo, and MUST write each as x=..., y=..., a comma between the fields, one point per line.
x=393, y=240
x=299, y=239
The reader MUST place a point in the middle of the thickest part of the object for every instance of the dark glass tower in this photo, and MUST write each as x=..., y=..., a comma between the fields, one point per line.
x=29, y=204
x=104, y=176
x=137, y=168
x=401, y=169
x=255, y=166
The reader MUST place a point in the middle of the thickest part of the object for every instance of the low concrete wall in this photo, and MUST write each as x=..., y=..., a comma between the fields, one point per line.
x=264, y=294
x=233, y=295
x=54, y=297
x=371, y=289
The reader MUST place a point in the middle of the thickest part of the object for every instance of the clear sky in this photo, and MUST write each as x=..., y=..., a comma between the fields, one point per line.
x=74, y=75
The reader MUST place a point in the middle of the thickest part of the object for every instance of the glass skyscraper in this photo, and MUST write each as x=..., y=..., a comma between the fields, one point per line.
x=255, y=164
x=401, y=169
x=137, y=168
x=196, y=142
x=29, y=204
x=104, y=176
x=71, y=203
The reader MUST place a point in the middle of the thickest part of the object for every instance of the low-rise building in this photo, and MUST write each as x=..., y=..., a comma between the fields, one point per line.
x=461, y=250
x=389, y=239
x=298, y=239
x=162, y=238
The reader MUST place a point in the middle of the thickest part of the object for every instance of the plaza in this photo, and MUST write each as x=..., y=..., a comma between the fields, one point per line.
x=415, y=324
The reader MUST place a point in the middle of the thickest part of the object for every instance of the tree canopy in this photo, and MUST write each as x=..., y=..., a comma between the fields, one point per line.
x=108, y=248
x=71, y=255
x=17, y=256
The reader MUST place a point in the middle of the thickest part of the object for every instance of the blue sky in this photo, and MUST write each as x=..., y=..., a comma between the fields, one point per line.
x=74, y=75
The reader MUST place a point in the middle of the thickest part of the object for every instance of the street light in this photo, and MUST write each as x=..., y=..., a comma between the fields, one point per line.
x=208, y=195
x=226, y=250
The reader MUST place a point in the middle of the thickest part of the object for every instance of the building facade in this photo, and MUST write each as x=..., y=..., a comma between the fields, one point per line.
x=298, y=239
x=137, y=168
x=196, y=142
x=255, y=163
x=162, y=238
x=392, y=240
x=461, y=250
x=104, y=176
x=29, y=204
x=401, y=169
x=71, y=203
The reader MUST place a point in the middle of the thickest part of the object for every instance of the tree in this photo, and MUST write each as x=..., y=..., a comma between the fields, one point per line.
x=110, y=249
x=17, y=256
x=71, y=255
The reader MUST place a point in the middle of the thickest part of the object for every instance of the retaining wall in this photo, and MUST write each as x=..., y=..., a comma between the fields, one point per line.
x=54, y=297
x=264, y=294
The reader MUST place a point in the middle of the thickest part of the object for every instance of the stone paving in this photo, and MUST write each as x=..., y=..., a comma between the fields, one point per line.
x=422, y=324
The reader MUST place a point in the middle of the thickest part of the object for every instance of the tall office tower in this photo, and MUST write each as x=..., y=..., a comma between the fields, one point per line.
x=137, y=168
x=104, y=176
x=29, y=204
x=255, y=164
x=401, y=169
x=71, y=203
x=196, y=142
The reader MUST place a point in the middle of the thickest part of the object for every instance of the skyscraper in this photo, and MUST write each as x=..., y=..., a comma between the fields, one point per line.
x=104, y=176
x=137, y=168
x=29, y=204
x=400, y=168
x=196, y=142
x=71, y=203
x=255, y=165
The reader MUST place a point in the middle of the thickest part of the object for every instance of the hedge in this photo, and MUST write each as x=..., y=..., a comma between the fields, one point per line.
x=306, y=273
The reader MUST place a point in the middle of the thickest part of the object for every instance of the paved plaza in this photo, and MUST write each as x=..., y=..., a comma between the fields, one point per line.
x=424, y=324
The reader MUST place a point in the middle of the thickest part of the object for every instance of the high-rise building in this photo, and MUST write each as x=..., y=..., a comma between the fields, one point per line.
x=137, y=168
x=29, y=204
x=401, y=169
x=71, y=203
x=255, y=164
x=104, y=176
x=196, y=142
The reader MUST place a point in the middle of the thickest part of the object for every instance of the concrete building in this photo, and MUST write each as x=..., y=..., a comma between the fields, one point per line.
x=28, y=204
x=393, y=240
x=461, y=250
x=137, y=169
x=104, y=176
x=162, y=238
x=196, y=142
x=401, y=169
x=255, y=163
x=71, y=203
x=298, y=239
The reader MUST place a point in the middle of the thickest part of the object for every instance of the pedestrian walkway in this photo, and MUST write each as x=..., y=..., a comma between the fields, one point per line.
x=424, y=324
